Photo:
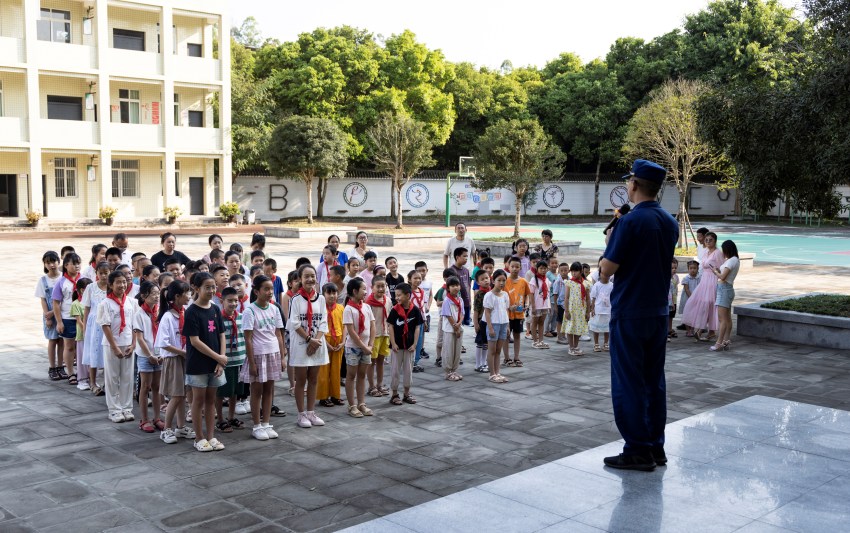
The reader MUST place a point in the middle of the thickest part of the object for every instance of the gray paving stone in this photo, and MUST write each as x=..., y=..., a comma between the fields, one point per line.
x=266, y=506
x=331, y=515
x=300, y=496
x=199, y=514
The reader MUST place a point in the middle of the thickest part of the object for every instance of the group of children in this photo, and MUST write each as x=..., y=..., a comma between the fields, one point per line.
x=219, y=332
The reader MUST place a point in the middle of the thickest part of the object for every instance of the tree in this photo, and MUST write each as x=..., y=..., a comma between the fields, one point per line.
x=248, y=33
x=400, y=147
x=642, y=66
x=516, y=155
x=253, y=112
x=308, y=148
x=665, y=130
x=586, y=112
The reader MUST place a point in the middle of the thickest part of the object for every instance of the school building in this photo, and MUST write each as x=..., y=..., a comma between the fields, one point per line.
x=122, y=103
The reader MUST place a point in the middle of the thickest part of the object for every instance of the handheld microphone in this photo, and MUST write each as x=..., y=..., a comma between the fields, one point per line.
x=622, y=210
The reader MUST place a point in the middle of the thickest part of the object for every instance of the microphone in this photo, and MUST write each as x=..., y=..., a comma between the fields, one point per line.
x=622, y=210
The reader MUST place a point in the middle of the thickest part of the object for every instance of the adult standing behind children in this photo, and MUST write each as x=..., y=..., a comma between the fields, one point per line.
x=169, y=242
x=701, y=312
x=460, y=240
x=640, y=253
x=361, y=246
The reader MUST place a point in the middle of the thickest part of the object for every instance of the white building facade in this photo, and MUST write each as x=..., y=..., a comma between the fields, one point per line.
x=114, y=103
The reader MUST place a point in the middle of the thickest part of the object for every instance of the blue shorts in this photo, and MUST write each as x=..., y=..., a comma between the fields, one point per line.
x=145, y=366
x=724, y=296
x=202, y=381
x=70, y=331
x=500, y=330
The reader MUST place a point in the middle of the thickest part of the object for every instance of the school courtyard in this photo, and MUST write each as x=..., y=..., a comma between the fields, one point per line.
x=515, y=457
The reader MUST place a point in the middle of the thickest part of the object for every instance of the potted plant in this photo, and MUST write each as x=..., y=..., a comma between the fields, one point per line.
x=229, y=211
x=107, y=214
x=171, y=214
x=33, y=217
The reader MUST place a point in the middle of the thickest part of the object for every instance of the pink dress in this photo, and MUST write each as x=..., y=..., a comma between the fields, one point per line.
x=700, y=312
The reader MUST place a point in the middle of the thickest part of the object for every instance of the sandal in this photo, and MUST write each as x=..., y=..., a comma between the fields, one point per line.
x=235, y=423
x=337, y=401
x=374, y=392
x=543, y=345
x=385, y=391
x=146, y=426
x=224, y=426
x=508, y=362
x=53, y=374
x=517, y=363
x=72, y=379
x=159, y=424
x=395, y=400
x=605, y=346
x=98, y=391
x=326, y=403
x=597, y=348
x=408, y=398
x=354, y=411
x=60, y=371
x=276, y=411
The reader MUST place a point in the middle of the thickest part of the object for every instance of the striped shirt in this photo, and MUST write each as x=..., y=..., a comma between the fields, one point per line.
x=235, y=350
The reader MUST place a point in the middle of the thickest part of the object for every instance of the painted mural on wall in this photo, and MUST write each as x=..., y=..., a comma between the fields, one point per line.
x=417, y=195
x=553, y=196
x=619, y=196
x=355, y=194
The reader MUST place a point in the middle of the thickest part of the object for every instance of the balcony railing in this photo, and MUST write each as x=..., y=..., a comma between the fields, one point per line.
x=68, y=133
x=196, y=69
x=13, y=130
x=188, y=139
x=64, y=57
x=11, y=50
x=135, y=136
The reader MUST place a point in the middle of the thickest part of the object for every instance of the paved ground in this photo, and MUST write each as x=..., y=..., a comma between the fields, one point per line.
x=722, y=476
x=65, y=466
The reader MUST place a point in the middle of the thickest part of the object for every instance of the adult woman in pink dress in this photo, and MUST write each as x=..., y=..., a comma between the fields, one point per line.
x=700, y=312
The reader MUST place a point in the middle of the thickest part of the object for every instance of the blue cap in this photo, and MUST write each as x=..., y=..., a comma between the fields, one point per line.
x=647, y=170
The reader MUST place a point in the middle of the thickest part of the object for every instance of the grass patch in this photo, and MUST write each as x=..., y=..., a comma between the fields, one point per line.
x=303, y=224
x=690, y=252
x=821, y=304
x=508, y=239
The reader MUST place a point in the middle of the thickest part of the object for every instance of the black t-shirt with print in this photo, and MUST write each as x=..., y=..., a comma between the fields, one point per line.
x=414, y=318
x=207, y=325
x=392, y=283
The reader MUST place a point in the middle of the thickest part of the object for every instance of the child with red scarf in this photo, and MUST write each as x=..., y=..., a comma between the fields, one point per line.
x=405, y=322
x=576, y=309
x=307, y=324
x=540, y=290
x=234, y=342
x=64, y=294
x=330, y=379
x=452, y=326
x=115, y=317
x=381, y=303
x=145, y=326
x=482, y=281
x=360, y=326
x=171, y=343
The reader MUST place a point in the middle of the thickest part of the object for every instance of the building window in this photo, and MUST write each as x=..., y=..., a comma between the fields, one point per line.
x=129, y=106
x=128, y=39
x=196, y=119
x=54, y=25
x=65, y=176
x=64, y=107
x=178, y=190
x=125, y=177
x=176, y=109
x=194, y=50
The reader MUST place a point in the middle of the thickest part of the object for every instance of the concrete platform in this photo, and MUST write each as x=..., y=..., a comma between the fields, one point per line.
x=757, y=465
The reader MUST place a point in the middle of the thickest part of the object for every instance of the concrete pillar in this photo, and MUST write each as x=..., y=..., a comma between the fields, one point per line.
x=167, y=20
x=225, y=181
x=32, y=10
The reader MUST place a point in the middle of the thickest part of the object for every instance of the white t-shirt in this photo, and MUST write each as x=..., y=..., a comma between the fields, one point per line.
x=733, y=264
x=47, y=294
x=264, y=323
x=298, y=319
x=142, y=322
x=454, y=244
x=89, y=273
x=498, y=306
x=426, y=287
x=350, y=315
x=601, y=296
x=109, y=314
x=168, y=335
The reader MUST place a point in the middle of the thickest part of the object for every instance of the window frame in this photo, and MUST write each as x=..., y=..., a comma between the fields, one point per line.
x=195, y=46
x=121, y=169
x=68, y=178
x=50, y=19
x=60, y=99
x=176, y=109
x=129, y=102
x=197, y=113
x=129, y=34
x=178, y=190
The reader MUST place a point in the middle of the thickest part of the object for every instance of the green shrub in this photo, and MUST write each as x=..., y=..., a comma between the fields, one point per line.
x=820, y=304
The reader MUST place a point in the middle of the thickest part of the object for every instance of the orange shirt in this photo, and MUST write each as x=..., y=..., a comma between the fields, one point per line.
x=517, y=292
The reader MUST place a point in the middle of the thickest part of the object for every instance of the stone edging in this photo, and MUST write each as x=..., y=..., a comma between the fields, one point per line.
x=792, y=326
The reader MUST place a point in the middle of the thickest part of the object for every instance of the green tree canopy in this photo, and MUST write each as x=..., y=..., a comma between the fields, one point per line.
x=516, y=155
x=308, y=148
x=253, y=112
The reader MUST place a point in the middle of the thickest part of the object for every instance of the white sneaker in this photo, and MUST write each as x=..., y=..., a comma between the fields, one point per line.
x=314, y=419
x=116, y=416
x=185, y=432
x=203, y=445
x=247, y=404
x=83, y=385
x=270, y=431
x=303, y=421
x=167, y=436
x=128, y=415
x=240, y=408
x=260, y=433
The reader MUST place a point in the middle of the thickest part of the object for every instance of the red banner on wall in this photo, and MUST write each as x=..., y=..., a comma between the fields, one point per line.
x=154, y=112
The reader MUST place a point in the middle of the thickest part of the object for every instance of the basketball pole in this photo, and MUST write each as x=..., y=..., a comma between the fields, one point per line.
x=449, y=197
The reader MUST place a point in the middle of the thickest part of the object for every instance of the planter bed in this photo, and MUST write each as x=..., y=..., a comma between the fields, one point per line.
x=403, y=239
x=499, y=250
x=295, y=232
x=790, y=326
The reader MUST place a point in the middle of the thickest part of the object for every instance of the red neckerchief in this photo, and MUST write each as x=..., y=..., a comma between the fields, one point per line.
x=330, y=307
x=290, y=293
x=234, y=331
x=541, y=284
x=374, y=302
x=328, y=270
x=75, y=295
x=181, y=321
x=456, y=301
x=361, y=324
x=403, y=313
x=152, y=313
x=418, y=301
x=120, y=303
x=309, y=317
x=242, y=303
x=482, y=290
x=580, y=281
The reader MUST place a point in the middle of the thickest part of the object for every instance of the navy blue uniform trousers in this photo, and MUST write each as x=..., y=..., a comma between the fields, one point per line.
x=638, y=388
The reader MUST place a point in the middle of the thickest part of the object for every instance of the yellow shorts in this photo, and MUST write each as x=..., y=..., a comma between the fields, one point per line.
x=381, y=347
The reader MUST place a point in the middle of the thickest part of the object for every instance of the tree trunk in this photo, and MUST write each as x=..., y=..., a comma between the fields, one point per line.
x=787, y=205
x=517, y=215
x=322, y=191
x=596, y=186
x=392, y=197
x=399, y=222
x=738, y=210
x=683, y=220
x=309, y=183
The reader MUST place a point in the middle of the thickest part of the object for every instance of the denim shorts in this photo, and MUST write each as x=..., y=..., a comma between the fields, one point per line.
x=356, y=356
x=145, y=366
x=725, y=295
x=500, y=330
x=70, y=331
x=200, y=381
